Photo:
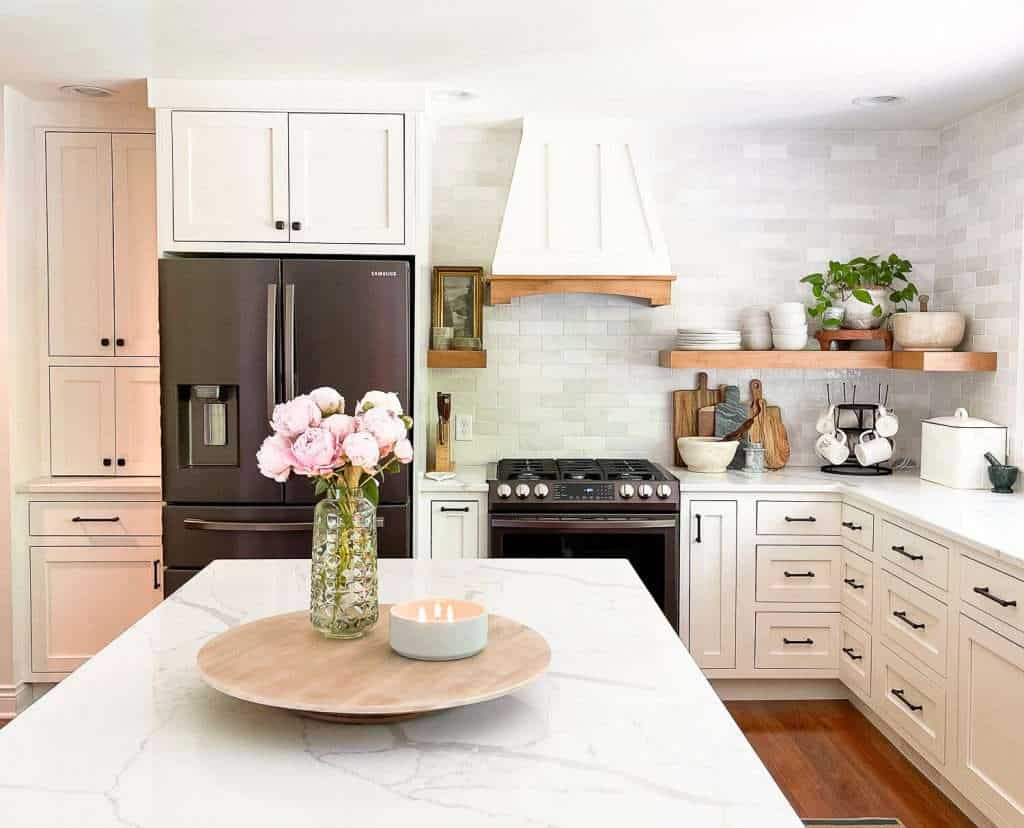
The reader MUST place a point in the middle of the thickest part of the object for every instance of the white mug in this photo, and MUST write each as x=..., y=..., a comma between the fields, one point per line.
x=832, y=448
x=886, y=422
x=826, y=423
x=871, y=449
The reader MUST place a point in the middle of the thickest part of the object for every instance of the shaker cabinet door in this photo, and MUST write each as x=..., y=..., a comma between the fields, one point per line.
x=454, y=529
x=713, y=583
x=137, y=414
x=81, y=420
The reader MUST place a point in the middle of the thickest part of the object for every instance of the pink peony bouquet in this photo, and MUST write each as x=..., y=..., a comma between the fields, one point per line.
x=314, y=437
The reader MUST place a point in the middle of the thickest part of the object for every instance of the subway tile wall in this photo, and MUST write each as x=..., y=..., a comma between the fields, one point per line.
x=745, y=215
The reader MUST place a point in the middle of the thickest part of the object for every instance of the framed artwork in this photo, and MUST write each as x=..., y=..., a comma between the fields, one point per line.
x=459, y=300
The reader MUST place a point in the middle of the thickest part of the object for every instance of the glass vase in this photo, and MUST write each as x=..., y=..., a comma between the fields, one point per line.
x=343, y=583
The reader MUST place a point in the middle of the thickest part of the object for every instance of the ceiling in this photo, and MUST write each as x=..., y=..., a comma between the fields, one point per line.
x=722, y=63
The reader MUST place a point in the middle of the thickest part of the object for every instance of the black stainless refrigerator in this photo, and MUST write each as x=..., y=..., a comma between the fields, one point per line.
x=238, y=336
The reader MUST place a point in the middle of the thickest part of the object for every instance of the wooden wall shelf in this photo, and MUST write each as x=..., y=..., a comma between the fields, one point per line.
x=657, y=290
x=456, y=359
x=863, y=360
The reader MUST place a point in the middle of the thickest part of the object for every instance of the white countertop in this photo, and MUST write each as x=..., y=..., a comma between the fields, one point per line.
x=622, y=730
x=467, y=479
x=92, y=485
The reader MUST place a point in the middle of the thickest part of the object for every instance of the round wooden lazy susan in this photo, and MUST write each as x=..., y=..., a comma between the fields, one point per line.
x=283, y=662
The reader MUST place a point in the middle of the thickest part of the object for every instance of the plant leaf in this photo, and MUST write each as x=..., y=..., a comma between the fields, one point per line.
x=876, y=311
x=862, y=295
x=371, y=490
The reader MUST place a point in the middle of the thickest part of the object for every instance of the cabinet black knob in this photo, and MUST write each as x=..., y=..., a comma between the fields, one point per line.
x=121, y=461
x=105, y=342
x=119, y=342
x=296, y=225
x=107, y=461
x=279, y=225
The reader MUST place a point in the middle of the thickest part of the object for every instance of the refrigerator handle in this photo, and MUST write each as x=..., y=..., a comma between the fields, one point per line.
x=271, y=348
x=289, y=341
x=246, y=526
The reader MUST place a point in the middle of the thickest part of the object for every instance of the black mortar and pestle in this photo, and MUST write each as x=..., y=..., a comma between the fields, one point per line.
x=1002, y=476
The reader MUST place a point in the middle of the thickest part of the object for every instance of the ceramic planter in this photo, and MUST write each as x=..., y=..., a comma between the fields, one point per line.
x=858, y=316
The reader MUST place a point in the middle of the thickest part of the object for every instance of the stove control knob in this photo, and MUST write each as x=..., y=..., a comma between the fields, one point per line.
x=541, y=490
x=504, y=490
x=522, y=491
x=627, y=490
x=645, y=490
x=664, y=490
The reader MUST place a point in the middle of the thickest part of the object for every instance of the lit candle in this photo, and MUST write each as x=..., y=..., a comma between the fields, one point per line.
x=438, y=629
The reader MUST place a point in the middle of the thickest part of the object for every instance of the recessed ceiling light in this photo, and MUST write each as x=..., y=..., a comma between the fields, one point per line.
x=877, y=100
x=87, y=90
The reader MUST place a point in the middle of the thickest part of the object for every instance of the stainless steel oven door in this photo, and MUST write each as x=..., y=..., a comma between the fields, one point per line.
x=649, y=542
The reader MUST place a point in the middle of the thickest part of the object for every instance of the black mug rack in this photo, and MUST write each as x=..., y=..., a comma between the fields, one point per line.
x=865, y=414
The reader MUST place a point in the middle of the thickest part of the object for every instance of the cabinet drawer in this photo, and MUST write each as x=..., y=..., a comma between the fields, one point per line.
x=914, y=704
x=925, y=558
x=855, y=657
x=856, y=584
x=796, y=640
x=993, y=592
x=108, y=518
x=799, y=517
x=798, y=573
x=858, y=526
x=915, y=621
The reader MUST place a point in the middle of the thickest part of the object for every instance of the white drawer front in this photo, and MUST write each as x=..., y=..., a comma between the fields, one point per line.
x=789, y=517
x=912, y=703
x=796, y=640
x=993, y=592
x=856, y=584
x=925, y=558
x=915, y=621
x=109, y=519
x=807, y=574
x=858, y=526
x=855, y=658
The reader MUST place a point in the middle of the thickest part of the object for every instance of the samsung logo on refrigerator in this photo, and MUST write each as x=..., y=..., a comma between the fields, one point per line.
x=383, y=272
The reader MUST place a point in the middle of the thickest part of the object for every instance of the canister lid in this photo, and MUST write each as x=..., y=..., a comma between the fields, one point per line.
x=961, y=419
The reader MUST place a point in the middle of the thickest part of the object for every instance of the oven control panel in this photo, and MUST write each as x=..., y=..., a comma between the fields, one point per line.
x=584, y=491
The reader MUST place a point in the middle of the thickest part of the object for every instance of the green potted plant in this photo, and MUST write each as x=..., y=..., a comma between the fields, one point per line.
x=860, y=294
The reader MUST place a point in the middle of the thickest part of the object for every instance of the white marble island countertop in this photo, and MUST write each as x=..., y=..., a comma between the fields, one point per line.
x=622, y=730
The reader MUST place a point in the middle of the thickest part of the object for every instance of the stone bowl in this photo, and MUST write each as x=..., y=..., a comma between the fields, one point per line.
x=931, y=331
x=709, y=455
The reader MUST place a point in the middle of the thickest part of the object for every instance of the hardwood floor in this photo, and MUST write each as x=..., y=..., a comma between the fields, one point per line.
x=831, y=762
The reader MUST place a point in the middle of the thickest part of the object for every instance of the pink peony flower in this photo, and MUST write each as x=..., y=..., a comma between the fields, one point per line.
x=403, y=451
x=314, y=451
x=327, y=400
x=295, y=416
x=379, y=399
x=275, y=458
x=386, y=427
x=361, y=449
x=340, y=425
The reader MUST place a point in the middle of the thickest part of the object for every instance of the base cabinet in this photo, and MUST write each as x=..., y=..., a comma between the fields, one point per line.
x=713, y=583
x=454, y=529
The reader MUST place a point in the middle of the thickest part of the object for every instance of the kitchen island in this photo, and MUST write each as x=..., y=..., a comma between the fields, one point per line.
x=623, y=728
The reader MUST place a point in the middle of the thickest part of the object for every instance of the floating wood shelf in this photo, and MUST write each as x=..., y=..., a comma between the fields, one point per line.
x=655, y=289
x=456, y=359
x=863, y=360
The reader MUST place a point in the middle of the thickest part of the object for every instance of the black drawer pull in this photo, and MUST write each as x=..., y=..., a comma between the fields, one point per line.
x=797, y=640
x=279, y=225
x=296, y=225
x=852, y=583
x=903, y=617
x=910, y=705
x=80, y=519
x=156, y=574
x=852, y=655
x=811, y=519
x=798, y=574
x=849, y=524
x=454, y=509
x=983, y=591
x=697, y=539
x=903, y=551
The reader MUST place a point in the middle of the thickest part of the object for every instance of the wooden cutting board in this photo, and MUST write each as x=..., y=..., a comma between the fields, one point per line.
x=685, y=405
x=769, y=430
x=706, y=421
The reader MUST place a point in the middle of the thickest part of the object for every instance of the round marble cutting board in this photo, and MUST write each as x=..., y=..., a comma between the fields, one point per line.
x=283, y=662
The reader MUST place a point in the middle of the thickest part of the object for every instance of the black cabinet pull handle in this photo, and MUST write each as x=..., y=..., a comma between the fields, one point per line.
x=910, y=705
x=107, y=461
x=156, y=574
x=697, y=539
x=296, y=225
x=849, y=524
x=454, y=509
x=279, y=225
x=119, y=342
x=80, y=519
x=902, y=550
x=120, y=461
x=798, y=574
x=810, y=519
x=983, y=591
x=852, y=655
x=852, y=583
x=105, y=342
x=797, y=640
x=903, y=617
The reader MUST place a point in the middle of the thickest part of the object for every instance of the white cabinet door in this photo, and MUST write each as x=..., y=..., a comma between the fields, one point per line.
x=135, y=250
x=137, y=414
x=454, y=529
x=713, y=582
x=347, y=178
x=990, y=710
x=84, y=597
x=230, y=176
x=79, y=246
x=81, y=420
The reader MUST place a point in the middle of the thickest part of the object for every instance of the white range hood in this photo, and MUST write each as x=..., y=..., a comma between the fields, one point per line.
x=580, y=214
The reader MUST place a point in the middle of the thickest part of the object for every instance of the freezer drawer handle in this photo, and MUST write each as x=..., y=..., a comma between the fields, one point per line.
x=849, y=524
x=851, y=654
x=902, y=615
x=156, y=574
x=271, y=348
x=852, y=583
x=246, y=526
x=798, y=574
x=902, y=550
x=454, y=509
x=913, y=708
x=811, y=519
x=983, y=591
x=111, y=519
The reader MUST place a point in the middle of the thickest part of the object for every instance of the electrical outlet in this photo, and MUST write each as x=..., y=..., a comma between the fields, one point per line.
x=463, y=426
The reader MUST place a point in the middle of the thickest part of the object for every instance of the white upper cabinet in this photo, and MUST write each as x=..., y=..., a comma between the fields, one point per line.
x=81, y=420
x=79, y=243
x=137, y=415
x=347, y=178
x=230, y=176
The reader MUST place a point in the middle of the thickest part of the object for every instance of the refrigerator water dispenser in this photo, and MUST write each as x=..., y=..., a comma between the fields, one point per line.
x=208, y=425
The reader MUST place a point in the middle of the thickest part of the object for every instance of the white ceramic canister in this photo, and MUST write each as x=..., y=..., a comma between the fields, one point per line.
x=953, y=450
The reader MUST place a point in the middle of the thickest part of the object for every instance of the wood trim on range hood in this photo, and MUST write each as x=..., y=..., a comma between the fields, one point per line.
x=657, y=290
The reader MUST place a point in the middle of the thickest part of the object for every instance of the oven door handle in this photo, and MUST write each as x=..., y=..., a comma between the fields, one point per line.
x=593, y=523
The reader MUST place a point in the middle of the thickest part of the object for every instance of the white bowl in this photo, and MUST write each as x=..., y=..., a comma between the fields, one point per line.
x=789, y=331
x=708, y=455
x=758, y=342
x=789, y=342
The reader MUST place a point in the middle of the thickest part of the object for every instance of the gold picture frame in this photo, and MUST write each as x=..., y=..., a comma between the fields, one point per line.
x=458, y=300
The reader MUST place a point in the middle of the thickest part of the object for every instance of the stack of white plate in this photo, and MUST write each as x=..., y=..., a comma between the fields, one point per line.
x=789, y=326
x=707, y=339
x=755, y=328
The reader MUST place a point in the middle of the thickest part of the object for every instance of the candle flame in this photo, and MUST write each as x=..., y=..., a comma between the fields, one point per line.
x=421, y=615
x=451, y=613
x=437, y=610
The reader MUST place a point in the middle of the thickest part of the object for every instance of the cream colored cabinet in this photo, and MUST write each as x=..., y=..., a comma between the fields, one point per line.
x=712, y=542
x=104, y=421
x=990, y=709
x=797, y=640
x=454, y=529
x=83, y=597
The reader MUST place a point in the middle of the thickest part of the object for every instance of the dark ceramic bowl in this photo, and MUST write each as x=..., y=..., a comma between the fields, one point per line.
x=1003, y=478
